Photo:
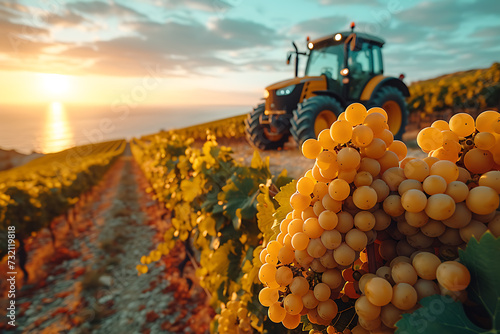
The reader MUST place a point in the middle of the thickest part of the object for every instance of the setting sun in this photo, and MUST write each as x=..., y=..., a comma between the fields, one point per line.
x=55, y=85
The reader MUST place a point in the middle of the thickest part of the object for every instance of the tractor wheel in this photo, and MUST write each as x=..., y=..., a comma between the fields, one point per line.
x=258, y=136
x=312, y=116
x=393, y=102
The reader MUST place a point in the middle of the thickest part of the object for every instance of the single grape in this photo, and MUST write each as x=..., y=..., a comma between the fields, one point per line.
x=457, y=190
x=446, y=169
x=404, y=296
x=416, y=219
x=322, y=292
x=364, y=197
x=369, y=165
x=268, y=296
x=462, y=124
x=375, y=121
x=300, y=241
x=434, y=184
x=433, y=228
x=311, y=148
x=362, y=136
x=327, y=220
x=341, y=131
x=365, y=309
x=355, y=113
x=381, y=188
x=453, y=275
x=474, y=229
x=390, y=314
x=299, y=286
x=482, y=200
x=286, y=255
x=378, y=291
x=376, y=149
x=388, y=160
x=344, y=255
x=426, y=288
x=327, y=309
x=315, y=248
x=440, y=207
x=305, y=186
x=339, y=189
x=332, y=278
x=429, y=139
x=478, y=161
x=356, y=239
x=284, y=276
x=312, y=228
x=425, y=264
x=291, y=321
x=491, y=179
x=403, y=272
x=364, y=220
x=331, y=239
x=414, y=200
x=276, y=313
x=440, y=125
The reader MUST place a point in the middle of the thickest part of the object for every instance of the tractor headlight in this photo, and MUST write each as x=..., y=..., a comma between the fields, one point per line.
x=285, y=91
x=337, y=37
x=266, y=93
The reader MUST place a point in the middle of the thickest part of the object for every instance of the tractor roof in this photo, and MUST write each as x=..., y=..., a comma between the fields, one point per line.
x=330, y=38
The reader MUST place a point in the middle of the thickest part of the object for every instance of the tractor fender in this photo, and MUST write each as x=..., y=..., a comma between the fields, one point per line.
x=380, y=81
x=330, y=93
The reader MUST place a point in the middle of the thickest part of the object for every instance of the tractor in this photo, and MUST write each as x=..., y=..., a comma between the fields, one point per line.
x=341, y=69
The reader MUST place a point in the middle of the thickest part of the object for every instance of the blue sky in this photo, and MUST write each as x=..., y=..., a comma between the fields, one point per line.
x=225, y=51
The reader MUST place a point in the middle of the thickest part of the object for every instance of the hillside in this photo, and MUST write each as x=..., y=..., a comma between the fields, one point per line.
x=12, y=158
x=471, y=90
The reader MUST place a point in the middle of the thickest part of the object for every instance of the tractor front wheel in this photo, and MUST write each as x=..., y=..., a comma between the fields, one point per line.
x=393, y=102
x=258, y=135
x=312, y=116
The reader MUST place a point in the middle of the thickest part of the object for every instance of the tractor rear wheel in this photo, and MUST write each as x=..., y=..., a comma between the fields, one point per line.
x=259, y=136
x=393, y=102
x=313, y=116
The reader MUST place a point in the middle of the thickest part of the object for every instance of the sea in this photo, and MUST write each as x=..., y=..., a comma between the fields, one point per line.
x=56, y=126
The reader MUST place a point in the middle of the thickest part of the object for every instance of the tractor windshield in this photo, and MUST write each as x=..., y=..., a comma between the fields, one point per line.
x=327, y=60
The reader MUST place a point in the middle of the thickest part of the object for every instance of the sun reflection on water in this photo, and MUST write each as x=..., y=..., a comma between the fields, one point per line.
x=58, y=135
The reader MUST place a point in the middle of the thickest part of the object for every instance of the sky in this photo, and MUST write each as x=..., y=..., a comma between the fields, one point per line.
x=213, y=52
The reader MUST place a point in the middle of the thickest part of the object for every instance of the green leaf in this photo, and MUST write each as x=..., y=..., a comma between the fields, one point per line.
x=439, y=315
x=481, y=258
x=282, y=179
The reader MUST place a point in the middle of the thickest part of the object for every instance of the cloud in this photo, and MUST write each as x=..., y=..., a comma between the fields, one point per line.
x=66, y=19
x=20, y=38
x=99, y=8
x=320, y=27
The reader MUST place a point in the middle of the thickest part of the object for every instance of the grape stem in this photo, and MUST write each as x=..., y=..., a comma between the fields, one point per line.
x=372, y=261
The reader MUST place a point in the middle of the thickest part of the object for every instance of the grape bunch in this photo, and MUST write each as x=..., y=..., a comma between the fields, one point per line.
x=398, y=287
x=234, y=318
x=363, y=192
x=335, y=210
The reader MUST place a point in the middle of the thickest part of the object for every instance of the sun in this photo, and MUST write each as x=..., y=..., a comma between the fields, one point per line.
x=55, y=85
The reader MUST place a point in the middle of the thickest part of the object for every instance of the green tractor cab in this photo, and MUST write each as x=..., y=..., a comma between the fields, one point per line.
x=341, y=69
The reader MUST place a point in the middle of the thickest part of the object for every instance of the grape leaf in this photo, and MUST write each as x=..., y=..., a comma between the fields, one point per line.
x=283, y=199
x=265, y=210
x=481, y=258
x=438, y=315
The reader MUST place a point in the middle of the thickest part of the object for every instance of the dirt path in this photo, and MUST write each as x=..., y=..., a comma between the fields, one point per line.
x=89, y=284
